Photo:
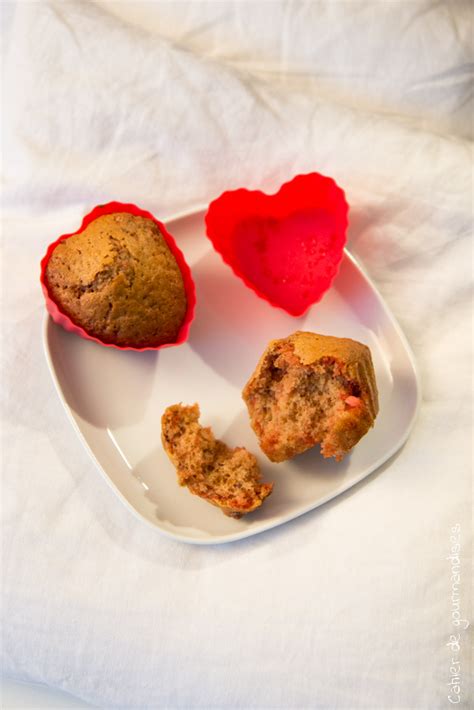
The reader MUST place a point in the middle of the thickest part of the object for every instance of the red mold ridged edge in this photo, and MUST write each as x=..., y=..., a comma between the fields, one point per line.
x=232, y=206
x=68, y=324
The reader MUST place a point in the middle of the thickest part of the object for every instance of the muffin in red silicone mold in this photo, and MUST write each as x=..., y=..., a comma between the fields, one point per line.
x=120, y=280
x=286, y=247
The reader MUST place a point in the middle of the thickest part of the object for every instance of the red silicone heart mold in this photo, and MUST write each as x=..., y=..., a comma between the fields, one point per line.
x=286, y=247
x=65, y=321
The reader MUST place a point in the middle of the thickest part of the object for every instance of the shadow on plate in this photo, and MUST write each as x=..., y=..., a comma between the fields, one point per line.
x=232, y=325
x=93, y=378
x=313, y=463
x=177, y=507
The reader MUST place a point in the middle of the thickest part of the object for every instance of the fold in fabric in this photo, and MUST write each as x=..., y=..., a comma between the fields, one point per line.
x=166, y=105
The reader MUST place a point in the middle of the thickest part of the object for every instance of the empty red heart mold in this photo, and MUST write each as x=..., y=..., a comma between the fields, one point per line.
x=286, y=247
x=65, y=321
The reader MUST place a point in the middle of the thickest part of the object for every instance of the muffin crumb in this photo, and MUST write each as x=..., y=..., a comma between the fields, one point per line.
x=227, y=478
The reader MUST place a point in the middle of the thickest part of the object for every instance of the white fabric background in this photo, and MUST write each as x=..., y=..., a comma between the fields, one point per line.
x=167, y=105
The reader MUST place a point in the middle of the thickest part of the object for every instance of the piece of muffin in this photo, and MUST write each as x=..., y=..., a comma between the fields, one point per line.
x=312, y=389
x=119, y=281
x=227, y=478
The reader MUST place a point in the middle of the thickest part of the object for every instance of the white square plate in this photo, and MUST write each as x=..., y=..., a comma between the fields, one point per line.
x=115, y=399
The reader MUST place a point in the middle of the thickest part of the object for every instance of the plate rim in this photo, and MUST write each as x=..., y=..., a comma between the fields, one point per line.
x=249, y=532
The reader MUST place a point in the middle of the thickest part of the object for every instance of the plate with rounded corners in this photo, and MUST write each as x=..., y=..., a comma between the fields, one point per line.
x=115, y=398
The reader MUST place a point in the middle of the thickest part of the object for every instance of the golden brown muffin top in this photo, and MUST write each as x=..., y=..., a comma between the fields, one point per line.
x=310, y=347
x=119, y=280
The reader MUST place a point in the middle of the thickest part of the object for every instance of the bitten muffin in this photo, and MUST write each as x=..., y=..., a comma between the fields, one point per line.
x=119, y=281
x=227, y=478
x=312, y=389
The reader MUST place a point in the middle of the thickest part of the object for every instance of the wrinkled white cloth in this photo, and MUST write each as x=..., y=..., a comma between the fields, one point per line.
x=166, y=105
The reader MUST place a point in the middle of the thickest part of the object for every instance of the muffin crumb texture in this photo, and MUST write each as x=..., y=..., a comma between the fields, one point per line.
x=119, y=281
x=311, y=389
x=228, y=478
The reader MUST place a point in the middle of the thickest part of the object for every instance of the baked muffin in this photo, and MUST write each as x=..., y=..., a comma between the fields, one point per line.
x=119, y=280
x=227, y=478
x=312, y=389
